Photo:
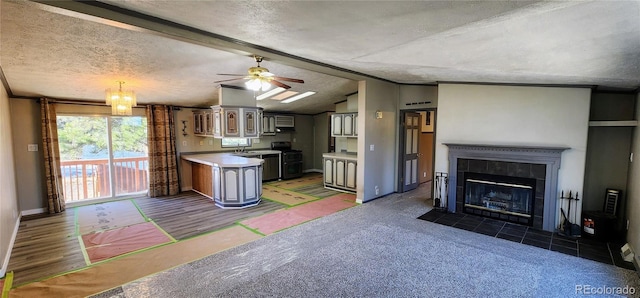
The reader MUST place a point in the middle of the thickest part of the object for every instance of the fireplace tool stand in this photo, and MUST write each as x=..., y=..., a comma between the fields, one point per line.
x=567, y=228
x=441, y=193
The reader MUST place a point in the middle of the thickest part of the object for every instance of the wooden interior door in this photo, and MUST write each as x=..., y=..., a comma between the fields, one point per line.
x=425, y=157
x=411, y=128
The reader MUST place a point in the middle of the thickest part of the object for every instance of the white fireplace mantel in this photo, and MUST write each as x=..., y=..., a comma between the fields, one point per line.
x=547, y=155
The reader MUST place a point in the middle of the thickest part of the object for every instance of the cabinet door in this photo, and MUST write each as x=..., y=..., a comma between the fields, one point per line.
x=217, y=123
x=272, y=124
x=265, y=124
x=355, y=125
x=197, y=123
x=232, y=122
x=328, y=171
x=250, y=179
x=336, y=125
x=347, y=120
x=231, y=185
x=208, y=122
x=340, y=172
x=351, y=174
x=250, y=123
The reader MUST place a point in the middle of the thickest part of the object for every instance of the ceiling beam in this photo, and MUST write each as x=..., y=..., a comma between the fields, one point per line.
x=131, y=20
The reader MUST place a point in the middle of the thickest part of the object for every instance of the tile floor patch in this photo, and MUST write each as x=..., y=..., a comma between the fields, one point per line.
x=582, y=247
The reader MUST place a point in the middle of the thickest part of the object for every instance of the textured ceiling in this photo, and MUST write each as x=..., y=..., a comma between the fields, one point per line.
x=67, y=53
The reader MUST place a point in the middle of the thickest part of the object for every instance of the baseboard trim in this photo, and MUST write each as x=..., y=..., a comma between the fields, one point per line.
x=33, y=211
x=186, y=188
x=5, y=262
x=312, y=171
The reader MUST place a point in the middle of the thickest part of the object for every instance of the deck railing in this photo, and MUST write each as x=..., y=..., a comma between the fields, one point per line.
x=89, y=178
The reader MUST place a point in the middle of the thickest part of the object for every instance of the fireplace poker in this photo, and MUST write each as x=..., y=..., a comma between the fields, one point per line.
x=575, y=228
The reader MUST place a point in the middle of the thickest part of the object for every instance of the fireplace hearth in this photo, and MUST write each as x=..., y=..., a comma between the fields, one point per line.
x=524, y=167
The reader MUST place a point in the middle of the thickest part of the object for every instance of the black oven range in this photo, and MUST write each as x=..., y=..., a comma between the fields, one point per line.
x=291, y=160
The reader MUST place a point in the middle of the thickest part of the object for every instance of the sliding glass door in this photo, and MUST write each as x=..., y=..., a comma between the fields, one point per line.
x=102, y=156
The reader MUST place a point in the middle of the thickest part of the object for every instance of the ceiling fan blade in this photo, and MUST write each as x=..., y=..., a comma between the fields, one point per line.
x=229, y=80
x=288, y=79
x=231, y=74
x=279, y=84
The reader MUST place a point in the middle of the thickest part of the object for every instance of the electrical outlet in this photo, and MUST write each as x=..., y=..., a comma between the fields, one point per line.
x=32, y=147
x=184, y=143
x=201, y=143
x=371, y=147
x=424, y=174
x=377, y=190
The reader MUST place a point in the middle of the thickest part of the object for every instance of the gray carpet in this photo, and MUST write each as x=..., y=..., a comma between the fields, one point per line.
x=380, y=249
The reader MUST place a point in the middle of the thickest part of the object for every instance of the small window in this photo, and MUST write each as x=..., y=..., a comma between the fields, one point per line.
x=236, y=142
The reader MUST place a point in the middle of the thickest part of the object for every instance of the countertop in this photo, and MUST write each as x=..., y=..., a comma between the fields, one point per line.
x=223, y=160
x=257, y=152
x=342, y=155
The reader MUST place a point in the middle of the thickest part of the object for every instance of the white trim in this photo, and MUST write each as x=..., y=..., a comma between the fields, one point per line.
x=5, y=262
x=33, y=211
x=313, y=171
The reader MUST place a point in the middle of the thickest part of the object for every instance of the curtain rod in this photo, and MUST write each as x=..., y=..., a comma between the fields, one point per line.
x=102, y=104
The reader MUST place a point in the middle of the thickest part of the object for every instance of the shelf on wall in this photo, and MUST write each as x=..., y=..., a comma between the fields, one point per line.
x=619, y=123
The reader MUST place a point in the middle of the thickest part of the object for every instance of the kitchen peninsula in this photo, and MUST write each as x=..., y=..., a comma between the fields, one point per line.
x=231, y=181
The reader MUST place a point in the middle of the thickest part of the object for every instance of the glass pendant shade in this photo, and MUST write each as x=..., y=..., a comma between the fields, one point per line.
x=121, y=102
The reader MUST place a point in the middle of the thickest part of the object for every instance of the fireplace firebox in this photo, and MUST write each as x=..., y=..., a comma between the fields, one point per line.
x=501, y=197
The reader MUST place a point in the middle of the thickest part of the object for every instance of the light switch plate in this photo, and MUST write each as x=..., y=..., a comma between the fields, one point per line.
x=32, y=147
x=371, y=147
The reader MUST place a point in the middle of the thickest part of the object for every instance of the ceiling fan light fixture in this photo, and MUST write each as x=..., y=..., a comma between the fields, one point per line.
x=258, y=84
x=121, y=102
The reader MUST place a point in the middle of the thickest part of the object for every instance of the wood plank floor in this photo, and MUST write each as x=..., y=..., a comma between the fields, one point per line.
x=48, y=246
x=44, y=247
x=189, y=214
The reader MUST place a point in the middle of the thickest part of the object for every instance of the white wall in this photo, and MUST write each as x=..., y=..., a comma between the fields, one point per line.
x=633, y=195
x=9, y=214
x=377, y=167
x=516, y=115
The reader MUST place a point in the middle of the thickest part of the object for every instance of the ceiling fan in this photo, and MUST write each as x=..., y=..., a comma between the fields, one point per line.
x=259, y=78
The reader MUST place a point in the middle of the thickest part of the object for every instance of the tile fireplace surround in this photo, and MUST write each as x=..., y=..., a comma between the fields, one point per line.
x=508, y=160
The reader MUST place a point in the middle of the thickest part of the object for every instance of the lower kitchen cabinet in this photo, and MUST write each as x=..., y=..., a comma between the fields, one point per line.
x=232, y=182
x=340, y=171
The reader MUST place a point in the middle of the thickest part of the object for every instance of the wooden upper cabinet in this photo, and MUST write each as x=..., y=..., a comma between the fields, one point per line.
x=344, y=125
x=235, y=122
